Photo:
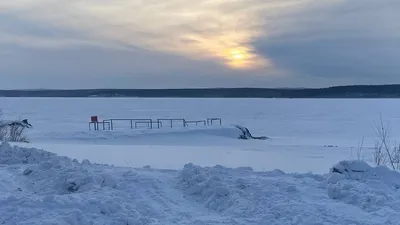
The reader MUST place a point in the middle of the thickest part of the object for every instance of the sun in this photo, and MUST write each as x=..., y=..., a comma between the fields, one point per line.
x=236, y=54
x=238, y=58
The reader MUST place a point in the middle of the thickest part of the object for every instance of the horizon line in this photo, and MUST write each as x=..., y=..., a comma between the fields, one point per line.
x=198, y=88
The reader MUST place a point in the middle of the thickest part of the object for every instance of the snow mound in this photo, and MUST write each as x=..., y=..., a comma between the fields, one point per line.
x=207, y=187
x=46, y=173
x=367, y=187
x=16, y=155
x=38, y=187
x=42, y=188
x=267, y=197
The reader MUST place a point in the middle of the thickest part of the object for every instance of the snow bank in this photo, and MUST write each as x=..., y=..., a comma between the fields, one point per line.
x=208, y=188
x=38, y=187
x=374, y=189
x=164, y=136
x=18, y=155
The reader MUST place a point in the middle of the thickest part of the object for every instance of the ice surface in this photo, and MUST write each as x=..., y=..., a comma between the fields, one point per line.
x=38, y=187
x=315, y=122
x=307, y=135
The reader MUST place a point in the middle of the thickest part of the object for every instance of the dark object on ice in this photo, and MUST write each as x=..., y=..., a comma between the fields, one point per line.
x=247, y=135
x=330, y=146
x=23, y=123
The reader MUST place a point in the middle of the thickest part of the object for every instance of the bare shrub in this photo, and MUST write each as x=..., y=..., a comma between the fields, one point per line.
x=360, y=147
x=382, y=132
x=3, y=128
x=396, y=156
x=3, y=132
x=380, y=156
x=16, y=133
x=384, y=154
x=359, y=150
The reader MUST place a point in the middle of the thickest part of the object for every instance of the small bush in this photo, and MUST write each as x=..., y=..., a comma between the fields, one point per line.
x=13, y=132
x=396, y=157
x=3, y=133
x=16, y=133
x=380, y=156
x=384, y=153
x=3, y=128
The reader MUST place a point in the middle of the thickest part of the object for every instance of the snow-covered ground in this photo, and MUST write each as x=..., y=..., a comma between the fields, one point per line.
x=198, y=175
x=38, y=187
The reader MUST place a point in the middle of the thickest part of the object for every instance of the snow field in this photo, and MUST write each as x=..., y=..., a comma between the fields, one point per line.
x=38, y=187
x=311, y=134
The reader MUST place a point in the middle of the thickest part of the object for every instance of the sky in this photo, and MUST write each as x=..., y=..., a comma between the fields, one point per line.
x=204, y=43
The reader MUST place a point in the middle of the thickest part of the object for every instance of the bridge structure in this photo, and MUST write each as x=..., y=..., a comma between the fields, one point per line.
x=136, y=123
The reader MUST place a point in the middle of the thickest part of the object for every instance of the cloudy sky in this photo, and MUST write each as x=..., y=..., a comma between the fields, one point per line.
x=198, y=43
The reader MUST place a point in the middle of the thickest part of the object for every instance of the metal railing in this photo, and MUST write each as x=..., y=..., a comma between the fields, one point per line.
x=96, y=125
x=211, y=120
x=109, y=124
x=197, y=122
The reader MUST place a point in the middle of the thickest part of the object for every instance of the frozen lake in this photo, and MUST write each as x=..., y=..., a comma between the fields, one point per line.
x=299, y=130
x=42, y=188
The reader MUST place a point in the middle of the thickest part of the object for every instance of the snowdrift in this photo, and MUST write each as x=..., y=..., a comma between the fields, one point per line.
x=38, y=187
x=144, y=136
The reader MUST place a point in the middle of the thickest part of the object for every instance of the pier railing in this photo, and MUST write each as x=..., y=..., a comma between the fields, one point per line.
x=135, y=123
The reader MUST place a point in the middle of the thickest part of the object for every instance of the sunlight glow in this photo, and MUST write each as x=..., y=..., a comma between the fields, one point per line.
x=244, y=58
x=237, y=54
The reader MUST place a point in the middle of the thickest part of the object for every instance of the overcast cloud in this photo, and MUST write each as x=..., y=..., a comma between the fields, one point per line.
x=203, y=43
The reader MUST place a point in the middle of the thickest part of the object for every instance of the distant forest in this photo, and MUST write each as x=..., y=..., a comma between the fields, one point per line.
x=355, y=91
